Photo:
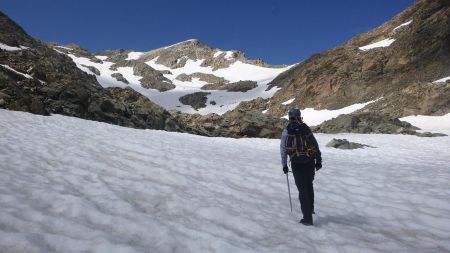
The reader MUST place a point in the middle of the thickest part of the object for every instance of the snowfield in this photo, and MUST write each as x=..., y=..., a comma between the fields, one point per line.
x=72, y=185
x=224, y=100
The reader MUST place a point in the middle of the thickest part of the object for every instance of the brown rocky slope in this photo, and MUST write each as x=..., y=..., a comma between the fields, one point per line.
x=400, y=76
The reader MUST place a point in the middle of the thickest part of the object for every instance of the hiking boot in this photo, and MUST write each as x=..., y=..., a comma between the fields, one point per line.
x=306, y=223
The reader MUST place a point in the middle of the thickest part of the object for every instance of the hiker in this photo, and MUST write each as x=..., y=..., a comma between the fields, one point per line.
x=298, y=142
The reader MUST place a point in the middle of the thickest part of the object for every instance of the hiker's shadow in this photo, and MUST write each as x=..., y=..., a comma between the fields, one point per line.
x=350, y=219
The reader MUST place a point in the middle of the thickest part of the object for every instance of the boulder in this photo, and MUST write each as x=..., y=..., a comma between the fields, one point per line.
x=197, y=99
x=345, y=144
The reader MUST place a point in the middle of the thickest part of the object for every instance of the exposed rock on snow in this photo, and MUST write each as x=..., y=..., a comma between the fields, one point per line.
x=345, y=144
x=196, y=100
x=241, y=86
x=120, y=77
x=209, y=78
x=92, y=69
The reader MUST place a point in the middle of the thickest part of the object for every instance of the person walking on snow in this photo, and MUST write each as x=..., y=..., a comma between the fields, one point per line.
x=299, y=143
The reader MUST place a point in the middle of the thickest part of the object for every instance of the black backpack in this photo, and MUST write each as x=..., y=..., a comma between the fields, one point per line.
x=298, y=145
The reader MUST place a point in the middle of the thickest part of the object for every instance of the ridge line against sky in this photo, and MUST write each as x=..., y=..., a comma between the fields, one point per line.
x=278, y=32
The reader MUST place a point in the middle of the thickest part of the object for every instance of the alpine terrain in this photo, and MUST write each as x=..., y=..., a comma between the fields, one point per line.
x=126, y=151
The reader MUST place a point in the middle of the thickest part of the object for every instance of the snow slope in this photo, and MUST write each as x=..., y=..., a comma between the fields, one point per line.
x=70, y=185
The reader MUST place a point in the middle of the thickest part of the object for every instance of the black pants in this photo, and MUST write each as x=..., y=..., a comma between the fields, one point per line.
x=304, y=177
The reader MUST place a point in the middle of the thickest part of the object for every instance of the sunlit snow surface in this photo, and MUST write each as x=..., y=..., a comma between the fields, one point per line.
x=70, y=185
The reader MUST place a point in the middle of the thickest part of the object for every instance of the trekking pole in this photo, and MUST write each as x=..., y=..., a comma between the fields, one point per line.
x=289, y=188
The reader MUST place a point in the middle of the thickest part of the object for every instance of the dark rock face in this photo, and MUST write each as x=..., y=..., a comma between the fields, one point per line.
x=119, y=77
x=345, y=144
x=197, y=99
x=56, y=85
x=241, y=86
x=401, y=73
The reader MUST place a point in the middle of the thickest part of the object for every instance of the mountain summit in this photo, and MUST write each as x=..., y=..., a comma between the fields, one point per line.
x=188, y=76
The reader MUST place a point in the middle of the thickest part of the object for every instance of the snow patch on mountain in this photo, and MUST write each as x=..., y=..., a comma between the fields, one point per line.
x=404, y=24
x=190, y=40
x=229, y=55
x=101, y=57
x=224, y=100
x=117, y=189
x=288, y=102
x=134, y=55
x=427, y=123
x=442, y=80
x=314, y=117
x=10, y=48
x=237, y=71
x=384, y=43
x=63, y=47
x=17, y=72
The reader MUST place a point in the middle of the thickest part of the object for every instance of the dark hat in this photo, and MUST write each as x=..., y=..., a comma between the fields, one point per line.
x=294, y=113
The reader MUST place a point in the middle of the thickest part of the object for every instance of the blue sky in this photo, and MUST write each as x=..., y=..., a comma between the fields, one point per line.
x=277, y=31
